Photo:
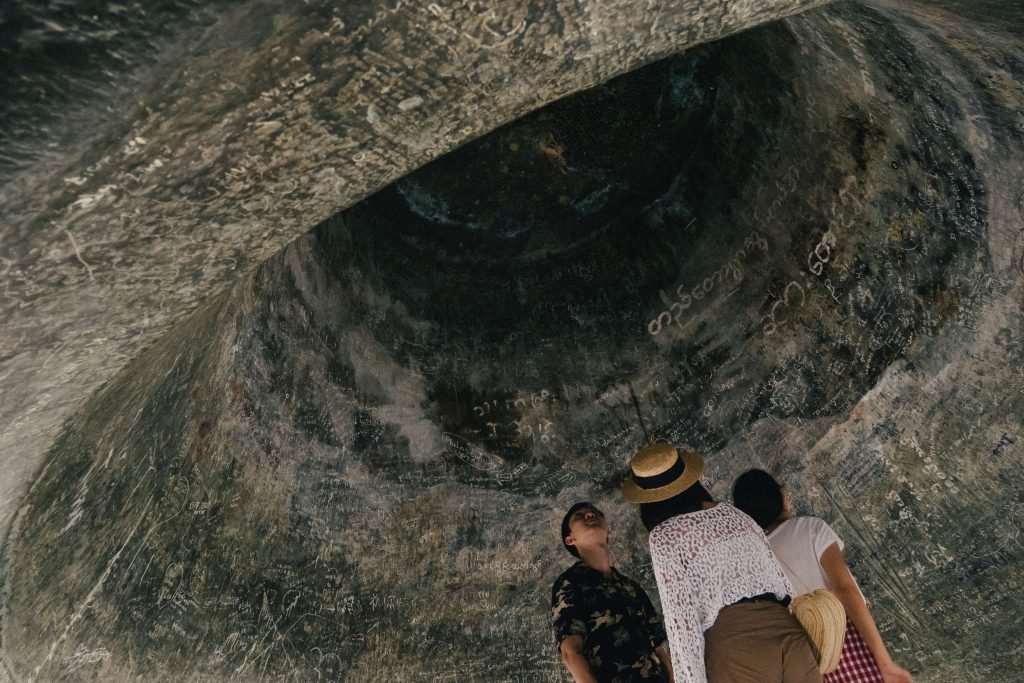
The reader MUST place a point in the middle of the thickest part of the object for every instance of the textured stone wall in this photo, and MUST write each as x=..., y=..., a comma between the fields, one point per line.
x=801, y=246
x=199, y=142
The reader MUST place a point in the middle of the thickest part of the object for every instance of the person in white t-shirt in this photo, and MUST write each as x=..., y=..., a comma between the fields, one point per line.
x=723, y=594
x=811, y=554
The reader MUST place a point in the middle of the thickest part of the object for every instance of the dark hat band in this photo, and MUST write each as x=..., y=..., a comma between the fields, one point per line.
x=663, y=479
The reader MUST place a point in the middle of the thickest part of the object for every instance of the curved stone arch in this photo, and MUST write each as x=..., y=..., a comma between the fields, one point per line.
x=243, y=139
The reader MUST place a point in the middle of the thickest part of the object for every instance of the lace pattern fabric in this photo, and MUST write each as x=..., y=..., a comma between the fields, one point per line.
x=704, y=561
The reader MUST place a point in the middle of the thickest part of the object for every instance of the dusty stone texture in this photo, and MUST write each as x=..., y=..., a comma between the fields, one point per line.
x=233, y=139
x=801, y=246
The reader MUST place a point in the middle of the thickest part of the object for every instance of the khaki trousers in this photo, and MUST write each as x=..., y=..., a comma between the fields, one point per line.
x=758, y=642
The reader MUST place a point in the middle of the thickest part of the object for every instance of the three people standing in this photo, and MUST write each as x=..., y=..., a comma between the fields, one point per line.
x=724, y=593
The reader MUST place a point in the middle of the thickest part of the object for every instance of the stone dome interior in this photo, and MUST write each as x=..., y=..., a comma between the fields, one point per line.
x=317, y=320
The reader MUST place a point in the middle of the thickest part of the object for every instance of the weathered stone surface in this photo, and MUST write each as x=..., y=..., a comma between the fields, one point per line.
x=237, y=140
x=802, y=247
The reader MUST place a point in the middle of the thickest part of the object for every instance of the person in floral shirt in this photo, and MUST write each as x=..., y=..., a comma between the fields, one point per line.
x=606, y=628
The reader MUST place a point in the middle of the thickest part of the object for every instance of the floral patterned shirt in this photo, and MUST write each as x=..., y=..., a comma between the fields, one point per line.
x=619, y=625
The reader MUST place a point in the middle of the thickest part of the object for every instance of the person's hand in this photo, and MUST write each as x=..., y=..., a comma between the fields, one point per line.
x=891, y=673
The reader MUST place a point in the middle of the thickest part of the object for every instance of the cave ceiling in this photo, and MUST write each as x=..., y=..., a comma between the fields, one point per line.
x=316, y=318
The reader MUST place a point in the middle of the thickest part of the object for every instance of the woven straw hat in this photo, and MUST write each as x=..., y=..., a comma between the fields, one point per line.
x=658, y=472
x=824, y=619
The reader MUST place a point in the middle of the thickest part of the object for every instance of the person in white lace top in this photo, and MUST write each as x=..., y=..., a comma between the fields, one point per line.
x=723, y=593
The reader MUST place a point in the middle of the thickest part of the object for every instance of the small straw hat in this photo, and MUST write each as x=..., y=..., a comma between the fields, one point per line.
x=823, y=618
x=658, y=472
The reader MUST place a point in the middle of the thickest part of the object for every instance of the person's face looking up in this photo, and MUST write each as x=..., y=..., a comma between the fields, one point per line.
x=587, y=527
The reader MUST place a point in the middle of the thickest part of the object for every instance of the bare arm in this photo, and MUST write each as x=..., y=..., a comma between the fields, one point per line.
x=572, y=655
x=840, y=582
x=666, y=661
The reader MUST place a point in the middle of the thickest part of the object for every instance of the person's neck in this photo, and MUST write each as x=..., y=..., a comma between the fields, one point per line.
x=777, y=523
x=598, y=559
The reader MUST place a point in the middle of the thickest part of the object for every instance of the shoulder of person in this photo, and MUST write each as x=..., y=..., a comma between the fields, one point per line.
x=699, y=517
x=669, y=532
x=569, y=576
x=627, y=579
x=801, y=522
x=812, y=523
x=661, y=533
x=808, y=527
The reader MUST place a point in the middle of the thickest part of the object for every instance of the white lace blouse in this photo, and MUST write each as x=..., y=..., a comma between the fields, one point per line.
x=702, y=562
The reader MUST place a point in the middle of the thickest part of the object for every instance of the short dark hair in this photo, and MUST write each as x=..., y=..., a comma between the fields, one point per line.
x=690, y=500
x=758, y=494
x=565, y=524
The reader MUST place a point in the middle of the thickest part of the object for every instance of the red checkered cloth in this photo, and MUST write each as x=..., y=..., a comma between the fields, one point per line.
x=856, y=664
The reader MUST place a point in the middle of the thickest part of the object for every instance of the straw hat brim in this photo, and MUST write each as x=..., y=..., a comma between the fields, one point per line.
x=693, y=467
